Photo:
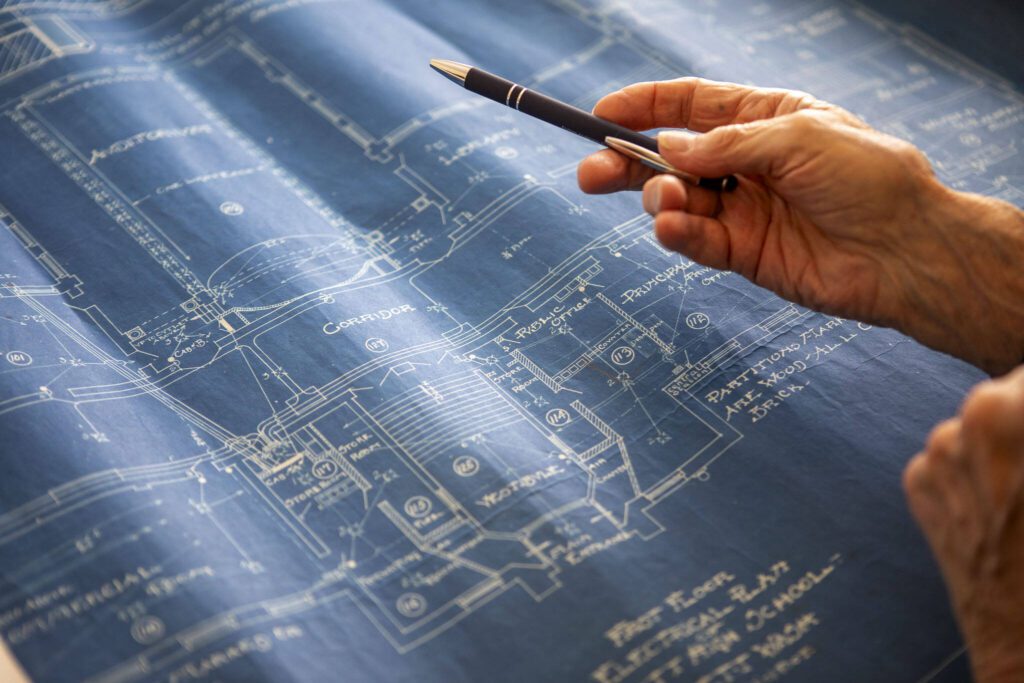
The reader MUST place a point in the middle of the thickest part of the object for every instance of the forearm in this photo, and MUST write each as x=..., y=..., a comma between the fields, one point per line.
x=965, y=292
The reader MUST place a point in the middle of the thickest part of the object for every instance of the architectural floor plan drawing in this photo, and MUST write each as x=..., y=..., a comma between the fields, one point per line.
x=315, y=367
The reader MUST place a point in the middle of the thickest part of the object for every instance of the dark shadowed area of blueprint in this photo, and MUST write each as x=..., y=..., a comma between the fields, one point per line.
x=314, y=367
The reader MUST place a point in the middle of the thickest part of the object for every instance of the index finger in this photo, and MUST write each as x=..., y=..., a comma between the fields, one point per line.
x=699, y=104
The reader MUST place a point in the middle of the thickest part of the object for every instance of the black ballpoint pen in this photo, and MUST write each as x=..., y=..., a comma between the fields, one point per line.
x=570, y=118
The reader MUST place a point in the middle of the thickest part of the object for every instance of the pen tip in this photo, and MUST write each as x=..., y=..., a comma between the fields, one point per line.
x=454, y=71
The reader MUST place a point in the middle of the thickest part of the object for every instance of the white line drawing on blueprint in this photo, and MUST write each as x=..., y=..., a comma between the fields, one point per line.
x=31, y=42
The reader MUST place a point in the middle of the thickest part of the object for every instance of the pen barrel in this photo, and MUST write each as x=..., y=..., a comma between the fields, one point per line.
x=566, y=116
x=552, y=111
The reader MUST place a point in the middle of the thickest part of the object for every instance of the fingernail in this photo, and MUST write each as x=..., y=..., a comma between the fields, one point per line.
x=675, y=140
x=652, y=199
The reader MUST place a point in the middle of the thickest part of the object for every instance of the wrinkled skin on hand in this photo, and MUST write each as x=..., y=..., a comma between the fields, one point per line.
x=829, y=213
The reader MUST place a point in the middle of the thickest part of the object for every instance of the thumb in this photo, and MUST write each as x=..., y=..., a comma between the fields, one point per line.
x=756, y=148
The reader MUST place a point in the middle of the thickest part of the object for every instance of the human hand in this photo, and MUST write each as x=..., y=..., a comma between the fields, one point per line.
x=829, y=213
x=967, y=492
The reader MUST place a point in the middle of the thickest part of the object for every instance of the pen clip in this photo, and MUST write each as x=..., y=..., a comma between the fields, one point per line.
x=658, y=163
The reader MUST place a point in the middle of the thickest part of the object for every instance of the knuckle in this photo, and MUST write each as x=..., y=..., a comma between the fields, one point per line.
x=802, y=100
x=846, y=117
x=673, y=232
x=688, y=81
x=755, y=105
x=666, y=234
x=767, y=103
x=804, y=122
x=672, y=100
x=943, y=438
x=986, y=405
x=1017, y=377
x=916, y=474
x=803, y=128
x=913, y=159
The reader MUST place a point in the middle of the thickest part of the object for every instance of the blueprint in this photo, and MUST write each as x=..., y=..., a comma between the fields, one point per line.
x=316, y=367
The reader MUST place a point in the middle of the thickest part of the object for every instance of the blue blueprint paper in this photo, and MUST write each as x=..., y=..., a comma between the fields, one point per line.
x=314, y=367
